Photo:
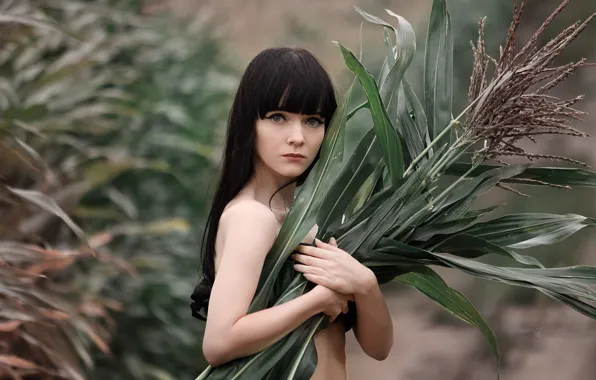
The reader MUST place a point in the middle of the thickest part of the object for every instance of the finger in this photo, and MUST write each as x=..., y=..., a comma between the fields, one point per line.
x=333, y=242
x=321, y=244
x=308, y=260
x=321, y=253
x=308, y=269
x=317, y=279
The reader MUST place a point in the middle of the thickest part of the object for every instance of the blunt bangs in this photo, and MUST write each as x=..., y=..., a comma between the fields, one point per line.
x=294, y=82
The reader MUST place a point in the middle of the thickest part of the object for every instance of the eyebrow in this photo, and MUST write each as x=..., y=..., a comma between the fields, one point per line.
x=306, y=115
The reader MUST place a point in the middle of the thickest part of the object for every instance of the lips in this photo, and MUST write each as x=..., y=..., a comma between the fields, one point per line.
x=294, y=155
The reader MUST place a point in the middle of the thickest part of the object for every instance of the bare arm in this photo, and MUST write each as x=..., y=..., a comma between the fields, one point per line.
x=249, y=230
x=374, y=326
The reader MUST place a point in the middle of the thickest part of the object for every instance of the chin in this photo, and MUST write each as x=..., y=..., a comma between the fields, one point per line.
x=291, y=173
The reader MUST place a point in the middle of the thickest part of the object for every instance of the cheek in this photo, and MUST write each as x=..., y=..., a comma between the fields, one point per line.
x=317, y=138
x=266, y=143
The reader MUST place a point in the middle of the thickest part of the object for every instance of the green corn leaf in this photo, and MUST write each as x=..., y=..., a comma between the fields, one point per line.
x=465, y=245
x=392, y=73
x=581, y=273
x=453, y=201
x=527, y=230
x=387, y=251
x=362, y=214
x=418, y=113
x=432, y=285
x=463, y=196
x=407, y=127
x=405, y=49
x=386, y=134
x=391, y=257
x=363, y=233
x=358, y=168
x=539, y=176
x=519, y=276
x=389, y=59
x=438, y=70
x=450, y=227
x=366, y=191
x=480, y=213
x=427, y=231
x=578, y=305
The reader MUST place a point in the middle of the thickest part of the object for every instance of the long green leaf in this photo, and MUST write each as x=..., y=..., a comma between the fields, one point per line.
x=519, y=276
x=359, y=167
x=394, y=67
x=527, y=230
x=538, y=176
x=386, y=134
x=366, y=191
x=438, y=69
x=465, y=245
x=407, y=126
x=418, y=113
x=365, y=234
x=432, y=285
x=462, y=197
x=405, y=49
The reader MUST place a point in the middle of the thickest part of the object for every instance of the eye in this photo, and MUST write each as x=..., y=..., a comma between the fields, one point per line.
x=276, y=118
x=314, y=122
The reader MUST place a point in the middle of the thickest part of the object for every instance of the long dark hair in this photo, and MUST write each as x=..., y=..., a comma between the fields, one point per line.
x=290, y=75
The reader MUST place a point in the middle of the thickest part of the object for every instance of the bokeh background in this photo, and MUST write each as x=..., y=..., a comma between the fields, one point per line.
x=122, y=127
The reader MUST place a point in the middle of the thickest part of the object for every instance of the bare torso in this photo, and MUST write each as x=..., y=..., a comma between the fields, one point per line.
x=330, y=343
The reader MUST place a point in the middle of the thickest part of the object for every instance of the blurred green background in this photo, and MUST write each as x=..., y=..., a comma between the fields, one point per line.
x=117, y=111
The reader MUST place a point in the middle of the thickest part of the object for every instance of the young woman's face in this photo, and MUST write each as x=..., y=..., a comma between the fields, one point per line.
x=287, y=143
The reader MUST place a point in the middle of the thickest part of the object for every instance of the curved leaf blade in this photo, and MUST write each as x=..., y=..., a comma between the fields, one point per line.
x=438, y=69
x=432, y=285
x=386, y=134
x=527, y=230
x=537, y=176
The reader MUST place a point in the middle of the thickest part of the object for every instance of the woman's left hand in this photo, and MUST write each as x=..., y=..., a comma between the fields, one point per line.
x=332, y=267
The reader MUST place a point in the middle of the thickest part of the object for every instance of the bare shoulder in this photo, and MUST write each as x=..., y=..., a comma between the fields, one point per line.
x=249, y=222
x=248, y=211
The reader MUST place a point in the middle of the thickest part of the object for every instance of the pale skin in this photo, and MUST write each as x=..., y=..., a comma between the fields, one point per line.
x=247, y=230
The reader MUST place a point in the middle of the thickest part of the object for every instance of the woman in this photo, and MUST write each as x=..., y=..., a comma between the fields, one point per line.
x=283, y=106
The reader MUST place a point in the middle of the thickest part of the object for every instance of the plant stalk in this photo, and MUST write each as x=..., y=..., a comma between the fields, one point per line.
x=448, y=128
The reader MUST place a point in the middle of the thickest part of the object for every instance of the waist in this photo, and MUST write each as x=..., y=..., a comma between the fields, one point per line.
x=330, y=345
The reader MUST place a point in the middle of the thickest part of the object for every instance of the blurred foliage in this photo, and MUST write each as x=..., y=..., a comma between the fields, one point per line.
x=107, y=121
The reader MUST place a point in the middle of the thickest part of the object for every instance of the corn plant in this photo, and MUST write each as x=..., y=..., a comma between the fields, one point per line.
x=403, y=201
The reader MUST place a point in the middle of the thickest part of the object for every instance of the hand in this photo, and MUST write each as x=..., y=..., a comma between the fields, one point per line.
x=330, y=266
x=331, y=302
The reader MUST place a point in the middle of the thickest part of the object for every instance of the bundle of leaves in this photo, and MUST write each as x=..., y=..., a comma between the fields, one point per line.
x=403, y=201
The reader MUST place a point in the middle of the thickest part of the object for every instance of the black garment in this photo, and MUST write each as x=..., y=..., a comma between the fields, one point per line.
x=349, y=318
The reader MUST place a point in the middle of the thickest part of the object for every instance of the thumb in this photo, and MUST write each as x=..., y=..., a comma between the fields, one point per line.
x=333, y=242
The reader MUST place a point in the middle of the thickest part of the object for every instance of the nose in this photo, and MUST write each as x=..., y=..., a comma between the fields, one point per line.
x=296, y=136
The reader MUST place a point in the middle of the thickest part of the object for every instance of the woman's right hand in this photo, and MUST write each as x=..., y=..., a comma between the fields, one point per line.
x=331, y=302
